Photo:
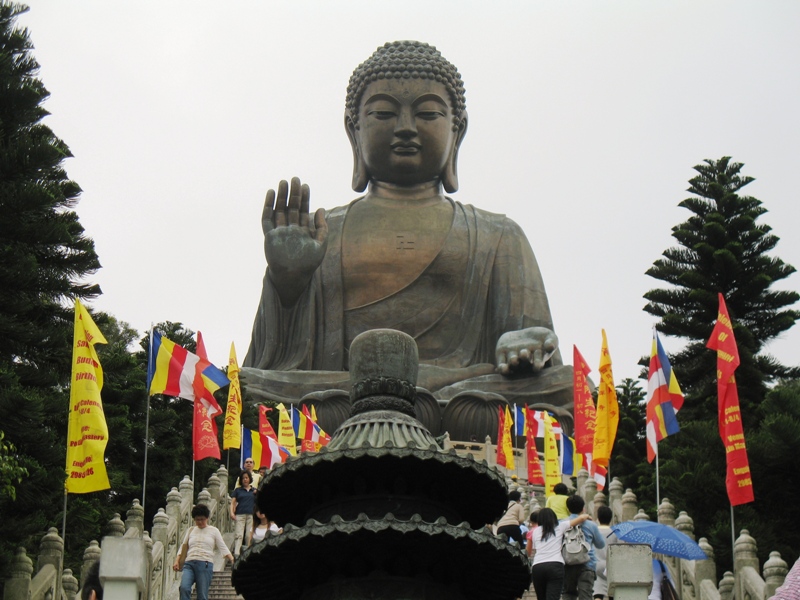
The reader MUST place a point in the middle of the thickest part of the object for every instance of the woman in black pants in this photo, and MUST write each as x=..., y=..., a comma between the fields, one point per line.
x=547, y=572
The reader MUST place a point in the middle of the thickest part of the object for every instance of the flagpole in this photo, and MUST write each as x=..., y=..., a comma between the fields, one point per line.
x=147, y=420
x=658, y=490
x=733, y=533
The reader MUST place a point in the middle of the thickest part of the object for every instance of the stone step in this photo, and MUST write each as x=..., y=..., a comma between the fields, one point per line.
x=221, y=588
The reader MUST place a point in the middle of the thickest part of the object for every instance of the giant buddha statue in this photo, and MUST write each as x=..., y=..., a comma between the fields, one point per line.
x=463, y=282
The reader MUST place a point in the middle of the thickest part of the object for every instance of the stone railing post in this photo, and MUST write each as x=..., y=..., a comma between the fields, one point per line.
x=580, y=480
x=186, y=487
x=615, y=499
x=123, y=570
x=213, y=486
x=726, y=586
x=173, y=509
x=666, y=513
x=705, y=569
x=90, y=556
x=161, y=527
x=135, y=517
x=222, y=475
x=629, y=506
x=70, y=584
x=630, y=571
x=641, y=516
x=18, y=582
x=745, y=554
x=775, y=570
x=490, y=452
x=685, y=524
x=51, y=552
x=115, y=527
x=588, y=491
x=446, y=443
x=598, y=500
x=204, y=498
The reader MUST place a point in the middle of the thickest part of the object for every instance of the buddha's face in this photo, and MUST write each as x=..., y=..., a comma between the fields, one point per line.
x=405, y=134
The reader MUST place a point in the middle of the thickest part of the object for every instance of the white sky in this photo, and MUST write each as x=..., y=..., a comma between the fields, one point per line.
x=585, y=120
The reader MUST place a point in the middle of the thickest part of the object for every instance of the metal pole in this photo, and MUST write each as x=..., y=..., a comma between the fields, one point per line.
x=147, y=419
x=733, y=535
x=658, y=489
x=64, y=519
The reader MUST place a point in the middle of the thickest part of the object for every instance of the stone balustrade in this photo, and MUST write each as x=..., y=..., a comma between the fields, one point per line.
x=138, y=563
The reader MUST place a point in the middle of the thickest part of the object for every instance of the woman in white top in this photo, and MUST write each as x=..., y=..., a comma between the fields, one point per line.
x=547, y=572
x=196, y=557
x=262, y=525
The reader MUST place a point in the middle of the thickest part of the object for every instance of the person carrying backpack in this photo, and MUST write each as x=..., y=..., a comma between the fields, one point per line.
x=579, y=576
x=547, y=572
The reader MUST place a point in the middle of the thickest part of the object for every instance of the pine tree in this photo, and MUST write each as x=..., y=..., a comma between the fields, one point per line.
x=44, y=258
x=723, y=250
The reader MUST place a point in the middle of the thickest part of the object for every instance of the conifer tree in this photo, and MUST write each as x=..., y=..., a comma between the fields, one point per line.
x=44, y=258
x=722, y=249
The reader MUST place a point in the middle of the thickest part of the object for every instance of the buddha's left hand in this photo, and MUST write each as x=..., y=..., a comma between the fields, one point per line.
x=525, y=348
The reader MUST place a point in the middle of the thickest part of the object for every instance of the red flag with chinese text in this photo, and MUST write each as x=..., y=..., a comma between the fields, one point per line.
x=501, y=425
x=264, y=426
x=584, y=404
x=535, y=474
x=204, y=429
x=737, y=479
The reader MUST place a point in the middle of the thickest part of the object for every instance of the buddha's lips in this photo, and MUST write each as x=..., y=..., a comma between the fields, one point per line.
x=406, y=148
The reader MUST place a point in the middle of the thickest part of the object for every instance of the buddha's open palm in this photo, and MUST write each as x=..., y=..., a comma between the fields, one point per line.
x=516, y=350
x=293, y=244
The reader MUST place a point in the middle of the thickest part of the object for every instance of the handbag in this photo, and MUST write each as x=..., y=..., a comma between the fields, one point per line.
x=184, y=551
x=668, y=591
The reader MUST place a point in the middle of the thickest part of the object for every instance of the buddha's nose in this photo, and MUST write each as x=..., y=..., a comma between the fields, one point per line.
x=406, y=124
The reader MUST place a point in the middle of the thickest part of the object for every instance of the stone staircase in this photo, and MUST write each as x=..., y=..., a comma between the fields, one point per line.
x=221, y=588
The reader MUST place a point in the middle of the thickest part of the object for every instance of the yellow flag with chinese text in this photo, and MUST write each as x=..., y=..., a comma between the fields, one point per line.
x=552, y=469
x=286, y=435
x=87, y=433
x=508, y=449
x=232, y=430
x=607, y=418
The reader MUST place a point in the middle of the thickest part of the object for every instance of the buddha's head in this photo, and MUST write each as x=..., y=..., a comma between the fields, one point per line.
x=406, y=117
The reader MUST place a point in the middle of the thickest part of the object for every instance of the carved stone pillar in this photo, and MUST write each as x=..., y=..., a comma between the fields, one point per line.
x=70, y=584
x=491, y=452
x=745, y=554
x=222, y=475
x=666, y=513
x=186, y=488
x=685, y=524
x=90, y=556
x=775, y=570
x=705, y=569
x=589, y=491
x=630, y=571
x=51, y=552
x=614, y=491
x=123, y=570
x=598, y=500
x=135, y=517
x=213, y=487
x=629, y=505
x=174, y=505
x=641, y=516
x=115, y=527
x=18, y=582
x=580, y=480
x=726, y=585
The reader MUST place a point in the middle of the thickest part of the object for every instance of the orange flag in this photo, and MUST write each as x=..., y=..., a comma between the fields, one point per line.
x=607, y=418
x=584, y=404
x=737, y=480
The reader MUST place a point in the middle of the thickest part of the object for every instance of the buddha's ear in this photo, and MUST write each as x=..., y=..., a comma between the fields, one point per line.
x=360, y=176
x=450, y=175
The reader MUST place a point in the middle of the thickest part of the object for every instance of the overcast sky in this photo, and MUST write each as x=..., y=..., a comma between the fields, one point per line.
x=585, y=120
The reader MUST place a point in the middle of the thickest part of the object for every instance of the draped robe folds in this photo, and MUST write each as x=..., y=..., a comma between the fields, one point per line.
x=484, y=282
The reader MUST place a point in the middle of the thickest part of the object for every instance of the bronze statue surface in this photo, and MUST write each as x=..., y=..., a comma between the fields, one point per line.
x=463, y=282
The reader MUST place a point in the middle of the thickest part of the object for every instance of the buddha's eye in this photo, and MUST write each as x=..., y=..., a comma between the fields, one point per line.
x=381, y=115
x=429, y=115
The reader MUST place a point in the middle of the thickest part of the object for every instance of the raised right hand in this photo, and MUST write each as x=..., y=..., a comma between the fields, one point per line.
x=294, y=245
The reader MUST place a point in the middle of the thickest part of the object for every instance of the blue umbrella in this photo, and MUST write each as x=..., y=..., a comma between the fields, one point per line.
x=663, y=539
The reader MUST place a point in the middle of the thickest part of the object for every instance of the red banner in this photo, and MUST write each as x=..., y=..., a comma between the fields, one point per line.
x=501, y=425
x=204, y=429
x=584, y=405
x=264, y=426
x=535, y=474
x=737, y=480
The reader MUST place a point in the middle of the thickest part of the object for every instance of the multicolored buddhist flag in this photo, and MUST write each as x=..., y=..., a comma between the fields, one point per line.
x=264, y=451
x=232, y=430
x=585, y=413
x=519, y=420
x=664, y=398
x=535, y=474
x=738, y=480
x=171, y=370
x=571, y=459
x=607, y=418
x=87, y=432
x=318, y=436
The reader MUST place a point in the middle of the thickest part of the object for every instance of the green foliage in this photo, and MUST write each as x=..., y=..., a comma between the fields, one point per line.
x=11, y=471
x=722, y=249
x=629, y=457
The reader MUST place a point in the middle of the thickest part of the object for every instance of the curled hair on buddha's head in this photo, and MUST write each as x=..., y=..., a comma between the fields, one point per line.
x=407, y=60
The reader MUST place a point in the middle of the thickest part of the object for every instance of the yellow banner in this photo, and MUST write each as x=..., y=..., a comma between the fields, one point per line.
x=286, y=436
x=232, y=430
x=552, y=470
x=87, y=434
x=607, y=418
x=508, y=450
